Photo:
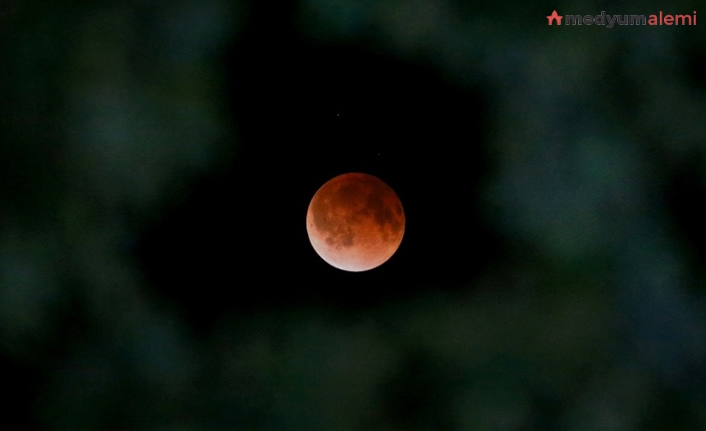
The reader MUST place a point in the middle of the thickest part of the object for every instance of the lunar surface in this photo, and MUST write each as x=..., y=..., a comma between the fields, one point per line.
x=355, y=222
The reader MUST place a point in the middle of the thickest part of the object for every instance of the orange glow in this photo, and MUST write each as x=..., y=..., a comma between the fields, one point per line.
x=355, y=222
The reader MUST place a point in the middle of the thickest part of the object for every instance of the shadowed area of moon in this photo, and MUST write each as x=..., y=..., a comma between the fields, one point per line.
x=355, y=222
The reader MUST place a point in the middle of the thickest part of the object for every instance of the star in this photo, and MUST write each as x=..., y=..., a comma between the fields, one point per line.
x=554, y=16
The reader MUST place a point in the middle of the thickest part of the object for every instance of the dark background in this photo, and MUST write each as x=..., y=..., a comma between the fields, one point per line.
x=158, y=159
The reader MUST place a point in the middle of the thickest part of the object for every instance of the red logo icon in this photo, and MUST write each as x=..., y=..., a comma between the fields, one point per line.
x=554, y=16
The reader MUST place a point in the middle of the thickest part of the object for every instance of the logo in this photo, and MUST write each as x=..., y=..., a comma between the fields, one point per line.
x=554, y=17
x=611, y=20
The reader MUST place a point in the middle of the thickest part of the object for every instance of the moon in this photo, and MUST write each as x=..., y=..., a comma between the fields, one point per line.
x=355, y=222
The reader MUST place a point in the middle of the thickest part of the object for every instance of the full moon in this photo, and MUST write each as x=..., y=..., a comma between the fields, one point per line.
x=355, y=222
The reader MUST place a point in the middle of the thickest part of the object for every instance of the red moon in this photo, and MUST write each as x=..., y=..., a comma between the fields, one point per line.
x=355, y=222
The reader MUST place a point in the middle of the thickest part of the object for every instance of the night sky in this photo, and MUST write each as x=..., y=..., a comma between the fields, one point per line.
x=157, y=160
x=306, y=114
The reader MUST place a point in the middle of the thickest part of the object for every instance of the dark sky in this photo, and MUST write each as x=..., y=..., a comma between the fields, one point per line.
x=305, y=114
x=158, y=158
